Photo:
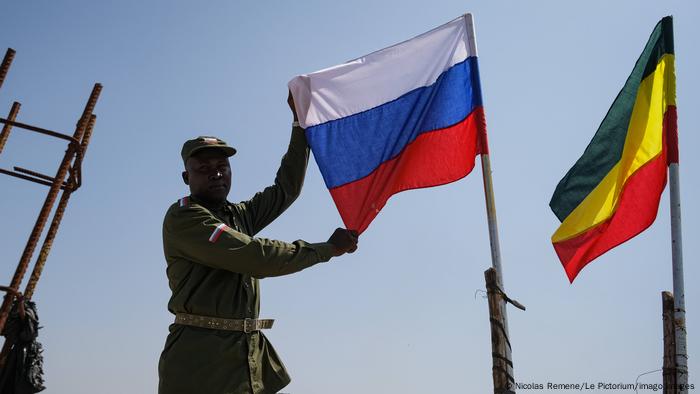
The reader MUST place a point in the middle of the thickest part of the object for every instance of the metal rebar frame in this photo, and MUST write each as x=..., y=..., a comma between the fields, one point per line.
x=67, y=179
x=56, y=221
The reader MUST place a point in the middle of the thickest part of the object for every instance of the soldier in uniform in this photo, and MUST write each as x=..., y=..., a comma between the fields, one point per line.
x=215, y=261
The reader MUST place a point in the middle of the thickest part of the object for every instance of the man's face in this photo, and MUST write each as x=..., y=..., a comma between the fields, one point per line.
x=208, y=173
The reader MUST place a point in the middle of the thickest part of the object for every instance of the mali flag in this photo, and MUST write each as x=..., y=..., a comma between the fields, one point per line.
x=612, y=193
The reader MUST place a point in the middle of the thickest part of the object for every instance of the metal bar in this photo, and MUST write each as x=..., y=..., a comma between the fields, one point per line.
x=488, y=189
x=55, y=223
x=491, y=216
x=34, y=173
x=28, y=178
x=48, y=204
x=6, y=62
x=5, y=134
x=38, y=130
x=678, y=286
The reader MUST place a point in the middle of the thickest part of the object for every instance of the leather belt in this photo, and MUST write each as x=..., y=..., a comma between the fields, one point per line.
x=219, y=323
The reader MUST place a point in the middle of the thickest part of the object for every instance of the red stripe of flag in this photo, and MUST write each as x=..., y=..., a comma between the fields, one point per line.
x=435, y=158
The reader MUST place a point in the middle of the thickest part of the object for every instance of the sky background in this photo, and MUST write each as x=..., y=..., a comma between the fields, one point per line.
x=400, y=315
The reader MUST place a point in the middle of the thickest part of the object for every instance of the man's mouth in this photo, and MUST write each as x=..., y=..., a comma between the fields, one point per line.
x=217, y=187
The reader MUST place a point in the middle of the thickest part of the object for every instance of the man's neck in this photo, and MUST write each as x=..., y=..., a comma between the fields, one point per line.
x=209, y=204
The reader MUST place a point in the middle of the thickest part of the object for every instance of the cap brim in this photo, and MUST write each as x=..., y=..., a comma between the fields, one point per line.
x=228, y=151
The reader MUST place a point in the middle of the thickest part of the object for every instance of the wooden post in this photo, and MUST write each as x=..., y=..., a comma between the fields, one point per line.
x=503, y=382
x=669, y=368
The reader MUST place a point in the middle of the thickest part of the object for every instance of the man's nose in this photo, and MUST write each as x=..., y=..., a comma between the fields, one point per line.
x=216, y=175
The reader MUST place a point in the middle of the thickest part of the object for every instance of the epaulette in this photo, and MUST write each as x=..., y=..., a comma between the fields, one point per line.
x=184, y=202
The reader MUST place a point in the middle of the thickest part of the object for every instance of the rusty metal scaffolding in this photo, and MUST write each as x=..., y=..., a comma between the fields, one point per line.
x=67, y=179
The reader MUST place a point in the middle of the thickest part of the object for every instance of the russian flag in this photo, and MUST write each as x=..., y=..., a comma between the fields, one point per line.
x=405, y=117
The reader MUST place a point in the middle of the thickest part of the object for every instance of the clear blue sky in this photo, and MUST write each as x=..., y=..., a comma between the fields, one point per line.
x=400, y=315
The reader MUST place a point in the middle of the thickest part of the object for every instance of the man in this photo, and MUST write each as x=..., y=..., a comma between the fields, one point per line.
x=214, y=262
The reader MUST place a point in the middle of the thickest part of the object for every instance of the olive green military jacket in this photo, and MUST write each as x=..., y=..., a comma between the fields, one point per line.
x=214, y=262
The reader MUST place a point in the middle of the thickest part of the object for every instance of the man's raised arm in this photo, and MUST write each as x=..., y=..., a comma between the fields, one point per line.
x=267, y=205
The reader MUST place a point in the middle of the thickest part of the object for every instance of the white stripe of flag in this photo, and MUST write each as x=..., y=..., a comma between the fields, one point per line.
x=343, y=90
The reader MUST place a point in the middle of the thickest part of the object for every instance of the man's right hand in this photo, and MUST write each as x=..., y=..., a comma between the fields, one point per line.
x=345, y=241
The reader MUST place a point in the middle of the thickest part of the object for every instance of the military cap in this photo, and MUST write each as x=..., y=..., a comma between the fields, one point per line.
x=190, y=147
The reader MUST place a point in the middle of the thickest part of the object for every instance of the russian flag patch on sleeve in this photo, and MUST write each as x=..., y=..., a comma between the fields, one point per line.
x=217, y=232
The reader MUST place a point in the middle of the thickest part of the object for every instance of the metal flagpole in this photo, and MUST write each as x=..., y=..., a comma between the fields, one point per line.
x=678, y=288
x=489, y=195
x=671, y=128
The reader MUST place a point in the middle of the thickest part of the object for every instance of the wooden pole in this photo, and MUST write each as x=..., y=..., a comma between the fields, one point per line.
x=669, y=368
x=503, y=381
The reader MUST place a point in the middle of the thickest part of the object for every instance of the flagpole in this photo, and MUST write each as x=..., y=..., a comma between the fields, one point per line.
x=671, y=128
x=489, y=196
x=678, y=287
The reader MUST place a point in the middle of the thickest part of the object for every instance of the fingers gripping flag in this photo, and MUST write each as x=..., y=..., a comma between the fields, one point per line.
x=405, y=117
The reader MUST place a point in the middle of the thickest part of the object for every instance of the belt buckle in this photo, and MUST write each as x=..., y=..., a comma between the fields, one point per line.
x=248, y=325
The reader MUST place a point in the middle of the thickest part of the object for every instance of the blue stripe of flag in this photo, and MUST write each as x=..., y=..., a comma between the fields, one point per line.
x=350, y=148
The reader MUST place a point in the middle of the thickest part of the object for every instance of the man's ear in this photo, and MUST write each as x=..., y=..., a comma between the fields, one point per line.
x=185, y=177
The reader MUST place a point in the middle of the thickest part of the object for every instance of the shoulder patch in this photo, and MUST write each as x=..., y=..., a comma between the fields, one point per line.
x=184, y=202
x=217, y=232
